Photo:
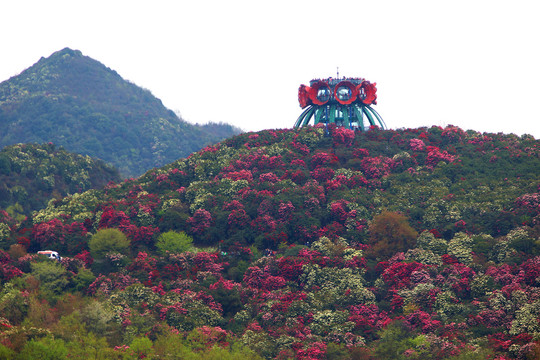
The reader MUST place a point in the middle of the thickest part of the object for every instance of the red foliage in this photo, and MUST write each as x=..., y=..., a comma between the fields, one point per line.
x=417, y=145
x=112, y=218
x=449, y=259
x=238, y=219
x=323, y=159
x=225, y=284
x=453, y=134
x=85, y=257
x=259, y=279
x=316, y=350
x=290, y=267
x=106, y=284
x=322, y=174
x=360, y=153
x=264, y=224
x=205, y=261
x=268, y=177
x=531, y=271
x=200, y=221
x=368, y=318
x=339, y=210
x=435, y=155
x=7, y=270
x=376, y=167
x=398, y=274
x=285, y=210
x=49, y=232
x=422, y=320
x=301, y=148
x=239, y=175
x=343, y=136
x=529, y=202
x=143, y=235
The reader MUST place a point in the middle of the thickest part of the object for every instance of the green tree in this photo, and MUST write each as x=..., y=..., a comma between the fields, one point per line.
x=396, y=339
x=174, y=242
x=140, y=348
x=106, y=241
x=83, y=279
x=52, y=276
x=90, y=347
x=44, y=349
x=6, y=353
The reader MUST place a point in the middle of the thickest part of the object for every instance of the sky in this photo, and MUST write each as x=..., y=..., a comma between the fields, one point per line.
x=470, y=63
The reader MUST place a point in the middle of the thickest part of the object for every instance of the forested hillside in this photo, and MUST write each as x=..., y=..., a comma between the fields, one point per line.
x=409, y=244
x=32, y=174
x=77, y=102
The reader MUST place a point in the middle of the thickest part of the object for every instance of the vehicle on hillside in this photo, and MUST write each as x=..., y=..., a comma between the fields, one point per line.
x=50, y=254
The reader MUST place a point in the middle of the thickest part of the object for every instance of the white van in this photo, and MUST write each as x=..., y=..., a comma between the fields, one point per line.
x=50, y=254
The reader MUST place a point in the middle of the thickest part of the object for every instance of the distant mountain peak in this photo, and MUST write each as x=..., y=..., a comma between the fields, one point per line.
x=77, y=102
x=67, y=51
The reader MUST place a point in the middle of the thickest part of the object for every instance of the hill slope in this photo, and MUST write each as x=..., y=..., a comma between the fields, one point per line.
x=31, y=174
x=75, y=101
x=409, y=244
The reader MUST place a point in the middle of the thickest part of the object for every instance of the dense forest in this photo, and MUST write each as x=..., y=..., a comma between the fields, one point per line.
x=32, y=174
x=77, y=102
x=387, y=244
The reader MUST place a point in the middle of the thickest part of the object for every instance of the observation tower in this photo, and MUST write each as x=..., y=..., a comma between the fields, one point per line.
x=345, y=102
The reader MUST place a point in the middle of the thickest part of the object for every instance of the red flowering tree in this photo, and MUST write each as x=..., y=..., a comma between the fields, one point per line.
x=200, y=221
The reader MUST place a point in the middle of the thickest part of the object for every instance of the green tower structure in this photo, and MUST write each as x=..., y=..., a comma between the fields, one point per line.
x=345, y=102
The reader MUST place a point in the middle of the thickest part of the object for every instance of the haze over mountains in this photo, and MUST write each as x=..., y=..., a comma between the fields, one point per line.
x=77, y=102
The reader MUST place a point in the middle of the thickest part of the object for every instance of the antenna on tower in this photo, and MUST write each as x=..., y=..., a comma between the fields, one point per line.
x=337, y=73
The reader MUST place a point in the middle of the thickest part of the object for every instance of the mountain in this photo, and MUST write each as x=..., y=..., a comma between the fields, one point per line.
x=77, y=102
x=32, y=174
x=397, y=244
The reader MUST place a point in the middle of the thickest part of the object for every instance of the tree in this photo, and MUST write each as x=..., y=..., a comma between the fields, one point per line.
x=174, y=242
x=107, y=241
x=47, y=348
x=390, y=232
x=52, y=276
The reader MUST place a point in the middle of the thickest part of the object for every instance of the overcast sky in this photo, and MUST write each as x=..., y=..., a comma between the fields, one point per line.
x=470, y=63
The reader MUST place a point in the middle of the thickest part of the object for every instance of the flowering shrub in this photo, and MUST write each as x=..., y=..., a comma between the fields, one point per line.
x=323, y=159
x=200, y=221
x=342, y=136
x=345, y=247
x=435, y=155
x=376, y=167
x=417, y=144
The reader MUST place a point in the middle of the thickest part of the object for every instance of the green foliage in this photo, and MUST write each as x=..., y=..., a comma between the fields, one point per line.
x=398, y=342
x=474, y=354
x=520, y=240
x=178, y=347
x=108, y=241
x=90, y=346
x=461, y=246
x=13, y=305
x=47, y=348
x=6, y=353
x=52, y=276
x=140, y=348
x=77, y=102
x=46, y=171
x=174, y=242
x=82, y=279
x=98, y=318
